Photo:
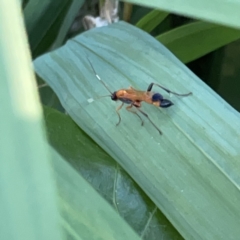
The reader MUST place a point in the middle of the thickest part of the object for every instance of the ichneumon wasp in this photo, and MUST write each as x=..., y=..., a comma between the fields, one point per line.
x=134, y=97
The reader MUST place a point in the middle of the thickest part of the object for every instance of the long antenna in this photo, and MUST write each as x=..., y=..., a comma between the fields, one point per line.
x=98, y=76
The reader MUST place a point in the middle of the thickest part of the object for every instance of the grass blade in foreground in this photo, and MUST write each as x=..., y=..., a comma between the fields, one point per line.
x=27, y=197
x=192, y=171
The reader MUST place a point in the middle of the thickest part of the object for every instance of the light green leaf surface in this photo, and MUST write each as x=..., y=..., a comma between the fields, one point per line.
x=151, y=20
x=192, y=171
x=85, y=214
x=27, y=188
x=194, y=40
x=107, y=177
x=217, y=11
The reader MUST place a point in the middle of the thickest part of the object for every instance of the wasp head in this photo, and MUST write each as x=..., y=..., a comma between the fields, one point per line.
x=114, y=96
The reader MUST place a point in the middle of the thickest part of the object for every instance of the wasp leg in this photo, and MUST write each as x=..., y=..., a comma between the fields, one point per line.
x=149, y=120
x=167, y=90
x=132, y=111
x=117, y=111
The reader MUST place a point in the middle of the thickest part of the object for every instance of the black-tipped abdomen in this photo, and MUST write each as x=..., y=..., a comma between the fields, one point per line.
x=165, y=103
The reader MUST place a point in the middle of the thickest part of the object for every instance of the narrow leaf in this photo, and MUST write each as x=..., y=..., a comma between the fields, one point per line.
x=28, y=195
x=194, y=40
x=151, y=20
x=216, y=11
x=85, y=215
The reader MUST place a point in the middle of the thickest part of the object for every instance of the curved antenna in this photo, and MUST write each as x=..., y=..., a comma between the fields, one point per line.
x=104, y=96
x=98, y=76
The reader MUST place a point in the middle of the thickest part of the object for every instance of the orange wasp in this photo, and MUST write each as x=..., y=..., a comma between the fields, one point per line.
x=134, y=98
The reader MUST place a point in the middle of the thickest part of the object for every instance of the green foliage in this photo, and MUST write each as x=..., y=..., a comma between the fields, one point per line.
x=47, y=23
x=152, y=20
x=191, y=173
x=194, y=40
x=107, y=177
x=28, y=196
x=179, y=170
x=217, y=11
x=84, y=214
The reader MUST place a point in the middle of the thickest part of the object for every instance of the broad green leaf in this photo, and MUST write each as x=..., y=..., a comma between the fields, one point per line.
x=194, y=40
x=85, y=214
x=28, y=195
x=216, y=11
x=107, y=177
x=191, y=172
x=151, y=20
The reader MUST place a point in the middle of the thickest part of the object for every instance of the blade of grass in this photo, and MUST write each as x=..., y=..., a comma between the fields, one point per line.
x=151, y=20
x=216, y=11
x=66, y=24
x=194, y=40
x=28, y=195
x=43, y=20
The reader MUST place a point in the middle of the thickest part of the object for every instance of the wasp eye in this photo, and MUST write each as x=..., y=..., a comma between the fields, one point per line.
x=165, y=103
x=157, y=97
x=114, y=97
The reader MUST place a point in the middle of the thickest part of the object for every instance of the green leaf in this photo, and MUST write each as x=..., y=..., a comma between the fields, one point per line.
x=67, y=22
x=191, y=172
x=107, y=177
x=216, y=11
x=194, y=40
x=85, y=215
x=151, y=20
x=28, y=195
x=43, y=20
x=48, y=96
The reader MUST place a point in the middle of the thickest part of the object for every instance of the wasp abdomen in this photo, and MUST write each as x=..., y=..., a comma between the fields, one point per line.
x=165, y=103
x=157, y=97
